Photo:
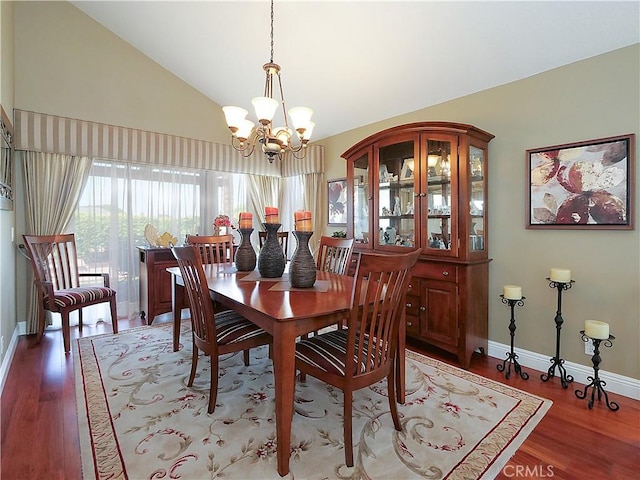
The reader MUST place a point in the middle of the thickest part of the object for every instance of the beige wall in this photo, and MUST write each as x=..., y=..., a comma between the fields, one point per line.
x=69, y=65
x=595, y=98
x=7, y=217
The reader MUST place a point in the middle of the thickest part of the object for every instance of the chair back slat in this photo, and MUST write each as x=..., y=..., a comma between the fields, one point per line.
x=334, y=254
x=377, y=302
x=54, y=258
x=197, y=290
x=218, y=249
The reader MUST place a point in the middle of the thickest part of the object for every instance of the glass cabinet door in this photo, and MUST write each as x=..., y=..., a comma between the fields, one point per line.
x=396, y=195
x=440, y=162
x=477, y=169
x=361, y=196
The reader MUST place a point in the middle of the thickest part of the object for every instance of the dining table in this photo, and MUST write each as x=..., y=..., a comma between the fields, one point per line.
x=284, y=312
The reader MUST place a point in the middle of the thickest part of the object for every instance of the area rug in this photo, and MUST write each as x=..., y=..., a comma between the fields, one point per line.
x=139, y=420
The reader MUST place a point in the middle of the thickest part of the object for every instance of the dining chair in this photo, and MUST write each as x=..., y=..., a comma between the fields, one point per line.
x=213, y=333
x=214, y=248
x=283, y=238
x=61, y=287
x=365, y=352
x=334, y=254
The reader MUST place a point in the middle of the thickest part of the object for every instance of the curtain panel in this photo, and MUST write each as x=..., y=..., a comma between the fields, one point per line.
x=42, y=132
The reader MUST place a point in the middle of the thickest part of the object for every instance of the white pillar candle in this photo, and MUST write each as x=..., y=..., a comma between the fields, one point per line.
x=512, y=292
x=596, y=329
x=561, y=275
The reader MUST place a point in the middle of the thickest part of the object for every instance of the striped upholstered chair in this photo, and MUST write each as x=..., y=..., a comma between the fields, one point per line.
x=214, y=333
x=60, y=289
x=365, y=352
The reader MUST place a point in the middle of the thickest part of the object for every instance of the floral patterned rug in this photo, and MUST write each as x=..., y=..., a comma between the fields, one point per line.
x=139, y=420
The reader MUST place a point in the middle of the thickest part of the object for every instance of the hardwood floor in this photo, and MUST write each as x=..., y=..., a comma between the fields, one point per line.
x=39, y=434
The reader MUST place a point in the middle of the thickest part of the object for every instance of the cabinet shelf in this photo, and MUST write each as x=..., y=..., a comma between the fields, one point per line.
x=400, y=217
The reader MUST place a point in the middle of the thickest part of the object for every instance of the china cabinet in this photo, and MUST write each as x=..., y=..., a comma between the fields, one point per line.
x=424, y=185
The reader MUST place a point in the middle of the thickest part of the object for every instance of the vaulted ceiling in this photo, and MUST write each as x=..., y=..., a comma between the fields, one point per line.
x=357, y=62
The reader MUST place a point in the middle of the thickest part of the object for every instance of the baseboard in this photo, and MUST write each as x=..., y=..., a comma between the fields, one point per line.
x=626, y=386
x=8, y=357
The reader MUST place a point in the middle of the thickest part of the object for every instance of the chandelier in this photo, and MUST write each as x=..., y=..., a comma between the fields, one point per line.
x=245, y=135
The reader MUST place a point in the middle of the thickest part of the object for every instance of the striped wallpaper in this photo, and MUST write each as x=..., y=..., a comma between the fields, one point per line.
x=50, y=133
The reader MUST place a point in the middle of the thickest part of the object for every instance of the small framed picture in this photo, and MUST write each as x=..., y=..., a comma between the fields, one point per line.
x=585, y=185
x=337, y=196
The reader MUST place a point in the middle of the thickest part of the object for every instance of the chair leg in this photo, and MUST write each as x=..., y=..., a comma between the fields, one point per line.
x=393, y=405
x=80, y=320
x=42, y=320
x=194, y=365
x=66, y=332
x=348, y=420
x=213, y=390
x=246, y=357
x=114, y=315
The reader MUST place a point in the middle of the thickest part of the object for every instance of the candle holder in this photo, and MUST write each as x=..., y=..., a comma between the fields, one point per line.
x=557, y=362
x=597, y=385
x=512, y=357
x=245, y=254
x=271, y=260
x=302, y=271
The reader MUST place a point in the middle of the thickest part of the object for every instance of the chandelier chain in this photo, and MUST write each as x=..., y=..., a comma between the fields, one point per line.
x=271, y=31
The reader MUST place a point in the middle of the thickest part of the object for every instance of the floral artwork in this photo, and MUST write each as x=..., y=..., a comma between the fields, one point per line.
x=582, y=185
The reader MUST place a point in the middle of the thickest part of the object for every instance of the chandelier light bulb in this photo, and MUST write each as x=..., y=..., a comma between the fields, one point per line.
x=300, y=116
x=308, y=131
x=265, y=108
x=283, y=135
x=244, y=129
x=234, y=116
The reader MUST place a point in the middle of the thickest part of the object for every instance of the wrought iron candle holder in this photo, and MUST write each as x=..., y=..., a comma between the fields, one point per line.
x=512, y=357
x=597, y=385
x=557, y=362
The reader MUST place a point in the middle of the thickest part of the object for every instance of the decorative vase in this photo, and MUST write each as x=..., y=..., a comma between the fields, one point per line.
x=302, y=271
x=271, y=260
x=245, y=254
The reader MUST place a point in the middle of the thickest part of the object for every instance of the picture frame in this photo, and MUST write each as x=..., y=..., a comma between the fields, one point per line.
x=584, y=185
x=337, y=202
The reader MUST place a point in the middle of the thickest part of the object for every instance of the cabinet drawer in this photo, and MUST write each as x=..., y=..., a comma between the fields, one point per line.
x=411, y=305
x=413, y=325
x=436, y=271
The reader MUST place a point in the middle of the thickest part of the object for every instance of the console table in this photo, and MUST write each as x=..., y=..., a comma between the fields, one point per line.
x=155, y=281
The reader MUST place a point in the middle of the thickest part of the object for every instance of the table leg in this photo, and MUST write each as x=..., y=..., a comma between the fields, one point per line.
x=284, y=345
x=177, y=302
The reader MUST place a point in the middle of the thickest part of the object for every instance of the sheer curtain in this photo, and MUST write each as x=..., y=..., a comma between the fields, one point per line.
x=120, y=199
x=53, y=183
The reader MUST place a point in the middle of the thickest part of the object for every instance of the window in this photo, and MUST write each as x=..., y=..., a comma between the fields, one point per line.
x=120, y=199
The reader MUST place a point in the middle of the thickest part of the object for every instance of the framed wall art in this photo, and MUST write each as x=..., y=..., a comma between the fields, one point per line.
x=337, y=196
x=585, y=185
